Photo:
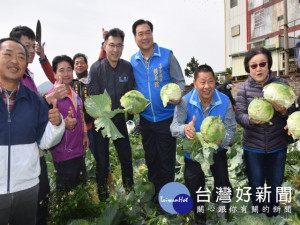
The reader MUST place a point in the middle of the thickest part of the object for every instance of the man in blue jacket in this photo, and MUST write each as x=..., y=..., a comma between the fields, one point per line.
x=154, y=67
x=24, y=122
x=204, y=100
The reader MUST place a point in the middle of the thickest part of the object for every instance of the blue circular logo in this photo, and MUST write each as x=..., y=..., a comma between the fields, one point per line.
x=175, y=198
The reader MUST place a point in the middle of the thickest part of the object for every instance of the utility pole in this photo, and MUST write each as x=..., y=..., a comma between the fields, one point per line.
x=286, y=38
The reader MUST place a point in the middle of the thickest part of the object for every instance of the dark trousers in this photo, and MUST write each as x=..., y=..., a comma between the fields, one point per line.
x=123, y=148
x=19, y=208
x=261, y=168
x=91, y=139
x=195, y=178
x=70, y=173
x=160, y=151
x=43, y=197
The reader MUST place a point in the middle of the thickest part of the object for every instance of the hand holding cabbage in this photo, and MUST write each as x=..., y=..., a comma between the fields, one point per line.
x=170, y=93
x=205, y=143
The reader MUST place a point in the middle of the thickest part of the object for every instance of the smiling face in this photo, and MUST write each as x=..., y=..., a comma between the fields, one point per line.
x=205, y=84
x=12, y=62
x=65, y=71
x=114, y=48
x=258, y=67
x=144, y=38
x=80, y=65
x=30, y=45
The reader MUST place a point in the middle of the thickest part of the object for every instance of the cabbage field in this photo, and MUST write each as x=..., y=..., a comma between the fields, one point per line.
x=82, y=206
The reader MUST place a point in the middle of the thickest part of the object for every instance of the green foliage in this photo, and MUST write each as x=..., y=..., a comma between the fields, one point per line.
x=99, y=107
x=82, y=206
x=191, y=67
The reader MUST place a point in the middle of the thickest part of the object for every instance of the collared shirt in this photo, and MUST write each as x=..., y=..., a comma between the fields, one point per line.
x=28, y=81
x=180, y=115
x=9, y=97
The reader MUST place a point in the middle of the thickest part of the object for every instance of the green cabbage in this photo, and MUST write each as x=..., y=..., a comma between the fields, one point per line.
x=293, y=123
x=260, y=109
x=212, y=129
x=279, y=93
x=99, y=107
x=170, y=91
x=134, y=101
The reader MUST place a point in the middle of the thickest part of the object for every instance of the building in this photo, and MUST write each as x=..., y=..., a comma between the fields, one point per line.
x=251, y=23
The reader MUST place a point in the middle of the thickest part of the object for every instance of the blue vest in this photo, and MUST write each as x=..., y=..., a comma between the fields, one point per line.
x=194, y=108
x=149, y=82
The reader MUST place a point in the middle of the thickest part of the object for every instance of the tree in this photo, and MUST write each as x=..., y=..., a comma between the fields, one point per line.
x=191, y=67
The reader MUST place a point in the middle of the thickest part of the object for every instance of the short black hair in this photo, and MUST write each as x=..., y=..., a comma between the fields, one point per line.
x=78, y=55
x=139, y=22
x=115, y=32
x=255, y=51
x=203, y=68
x=61, y=58
x=15, y=40
x=18, y=31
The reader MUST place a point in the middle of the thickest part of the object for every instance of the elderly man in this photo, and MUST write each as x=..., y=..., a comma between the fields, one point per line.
x=24, y=124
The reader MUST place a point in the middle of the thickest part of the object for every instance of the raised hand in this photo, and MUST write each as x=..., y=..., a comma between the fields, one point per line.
x=189, y=129
x=54, y=115
x=70, y=121
x=40, y=50
x=60, y=89
x=104, y=32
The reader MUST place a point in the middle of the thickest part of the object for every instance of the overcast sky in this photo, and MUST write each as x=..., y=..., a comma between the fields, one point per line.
x=188, y=27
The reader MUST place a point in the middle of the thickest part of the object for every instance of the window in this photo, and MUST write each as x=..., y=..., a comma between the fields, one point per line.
x=233, y=3
x=280, y=18
x=259, y=18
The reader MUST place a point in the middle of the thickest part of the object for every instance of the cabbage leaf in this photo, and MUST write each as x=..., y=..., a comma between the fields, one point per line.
x=99, y=107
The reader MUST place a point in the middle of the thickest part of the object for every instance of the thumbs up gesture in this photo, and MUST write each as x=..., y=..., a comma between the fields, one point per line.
x=60, y=89
x=69, y=120
x=54, y=115
x=190, y=130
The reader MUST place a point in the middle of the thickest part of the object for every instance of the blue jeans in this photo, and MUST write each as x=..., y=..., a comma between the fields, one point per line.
x=19, y=207
x=265, y=168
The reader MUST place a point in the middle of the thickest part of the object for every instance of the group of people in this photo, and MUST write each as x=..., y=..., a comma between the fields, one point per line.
x=26, y=132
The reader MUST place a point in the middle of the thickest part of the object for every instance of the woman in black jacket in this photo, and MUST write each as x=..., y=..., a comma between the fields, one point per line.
x=264, y=145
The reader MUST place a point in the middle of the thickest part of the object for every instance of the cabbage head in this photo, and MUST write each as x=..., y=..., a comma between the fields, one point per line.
x=279, y=93
x=293, y=123
x=212, y=129
x=170, y=91
x=134, y=101
x=260, y=109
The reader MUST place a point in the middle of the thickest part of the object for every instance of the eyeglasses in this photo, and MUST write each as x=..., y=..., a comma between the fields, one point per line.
x=261, y=65
x=118, y=46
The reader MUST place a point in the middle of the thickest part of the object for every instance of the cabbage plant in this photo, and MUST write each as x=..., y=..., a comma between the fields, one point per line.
x=212, y=129
x=99, y=107
x=279, y=93
x=260, y=109
x=134, y=101
x=170, y=91
x=293, y=123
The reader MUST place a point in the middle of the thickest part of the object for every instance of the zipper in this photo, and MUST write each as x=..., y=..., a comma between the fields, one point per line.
x=149, y=88
x=9, y=147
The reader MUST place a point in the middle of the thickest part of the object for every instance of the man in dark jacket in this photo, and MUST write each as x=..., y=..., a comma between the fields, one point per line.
x=225, y=88
x=116, y=77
